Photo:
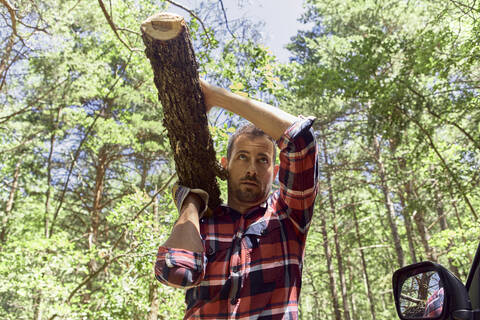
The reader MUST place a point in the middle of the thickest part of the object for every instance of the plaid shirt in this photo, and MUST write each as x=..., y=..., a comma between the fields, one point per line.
x=434, y=304
x=252, y=264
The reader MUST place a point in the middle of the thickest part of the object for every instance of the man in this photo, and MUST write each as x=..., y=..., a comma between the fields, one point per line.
x=434, y=305
x=245, y=261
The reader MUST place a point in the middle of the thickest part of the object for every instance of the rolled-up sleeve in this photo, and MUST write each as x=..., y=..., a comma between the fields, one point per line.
x=179, y=268
x=298, y=175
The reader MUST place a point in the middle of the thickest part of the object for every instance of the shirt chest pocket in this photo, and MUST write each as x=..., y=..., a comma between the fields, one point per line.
x=266, y=245
x=218, y=254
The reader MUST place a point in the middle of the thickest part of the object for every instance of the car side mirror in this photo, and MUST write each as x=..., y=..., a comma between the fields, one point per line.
x=426, y=290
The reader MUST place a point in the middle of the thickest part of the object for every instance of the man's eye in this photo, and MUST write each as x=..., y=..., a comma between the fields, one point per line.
x=242, y=157
x=264, y=160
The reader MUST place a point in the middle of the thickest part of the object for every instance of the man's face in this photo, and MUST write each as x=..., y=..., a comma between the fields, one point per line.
x=251, y=171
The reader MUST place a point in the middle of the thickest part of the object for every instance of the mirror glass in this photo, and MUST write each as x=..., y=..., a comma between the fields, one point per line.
x=422, y=296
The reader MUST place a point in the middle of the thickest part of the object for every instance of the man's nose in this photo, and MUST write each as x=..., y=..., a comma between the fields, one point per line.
x=251, y=169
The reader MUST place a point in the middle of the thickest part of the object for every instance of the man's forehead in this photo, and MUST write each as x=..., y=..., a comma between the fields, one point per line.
x=248, y=143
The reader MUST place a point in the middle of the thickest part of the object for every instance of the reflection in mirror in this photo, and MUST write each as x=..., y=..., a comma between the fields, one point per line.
x=422, y=296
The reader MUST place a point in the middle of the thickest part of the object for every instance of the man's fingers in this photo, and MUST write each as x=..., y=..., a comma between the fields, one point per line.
x=206, y=89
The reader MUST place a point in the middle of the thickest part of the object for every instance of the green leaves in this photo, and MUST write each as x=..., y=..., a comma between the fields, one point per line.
x=392, y=72
x=79, y=102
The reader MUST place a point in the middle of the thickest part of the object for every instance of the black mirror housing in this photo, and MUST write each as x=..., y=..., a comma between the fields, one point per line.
x=454, y=295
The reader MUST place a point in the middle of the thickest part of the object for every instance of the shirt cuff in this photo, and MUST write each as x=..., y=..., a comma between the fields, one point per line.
x=181, y=258
x=179, y=268
x=301, y=125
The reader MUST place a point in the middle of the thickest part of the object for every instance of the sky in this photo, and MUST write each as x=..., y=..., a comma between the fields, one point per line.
x=280, y=17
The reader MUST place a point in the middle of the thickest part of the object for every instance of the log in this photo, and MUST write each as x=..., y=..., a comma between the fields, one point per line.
x=171, y=54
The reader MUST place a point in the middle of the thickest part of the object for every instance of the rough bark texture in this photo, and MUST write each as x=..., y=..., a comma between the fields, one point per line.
x=176, y=78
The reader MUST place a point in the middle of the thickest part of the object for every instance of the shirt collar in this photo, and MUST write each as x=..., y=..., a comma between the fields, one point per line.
x=224, y=208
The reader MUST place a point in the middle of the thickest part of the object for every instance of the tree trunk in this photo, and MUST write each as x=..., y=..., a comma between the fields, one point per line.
x=331, y=274
x=153, y=292
x=37, y=301
x=93, y=232
x=4, y=63
x=341, y=271
x=368, y=291
x=444, y=226
x=9, y=206
x=406, y=208
x=419, y=219
x=388, y=204
x=169, y=49
x=48, y=193
x=351, y=284
x=407, y=219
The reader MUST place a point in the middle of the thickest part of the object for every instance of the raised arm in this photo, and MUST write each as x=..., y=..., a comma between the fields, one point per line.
x=271, y=120
x=186, y=232
x=181, y=259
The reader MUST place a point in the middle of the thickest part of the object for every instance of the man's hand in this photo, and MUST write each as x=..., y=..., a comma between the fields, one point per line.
x=207, y=94
x=191, y=202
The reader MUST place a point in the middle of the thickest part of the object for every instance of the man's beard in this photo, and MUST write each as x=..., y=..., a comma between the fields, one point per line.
x=247, y=194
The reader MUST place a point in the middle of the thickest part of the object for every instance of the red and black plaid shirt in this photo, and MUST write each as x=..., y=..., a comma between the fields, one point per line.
x=252, y=264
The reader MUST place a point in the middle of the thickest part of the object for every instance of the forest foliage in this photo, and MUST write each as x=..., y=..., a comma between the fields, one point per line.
x=86, y=167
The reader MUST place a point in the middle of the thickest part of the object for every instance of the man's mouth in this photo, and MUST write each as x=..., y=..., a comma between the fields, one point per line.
x=250, y=183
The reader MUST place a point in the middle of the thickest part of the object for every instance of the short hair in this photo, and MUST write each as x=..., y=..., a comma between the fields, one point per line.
x=252, y=131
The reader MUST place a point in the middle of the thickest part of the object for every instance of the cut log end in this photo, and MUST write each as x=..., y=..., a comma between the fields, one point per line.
x=163, y=26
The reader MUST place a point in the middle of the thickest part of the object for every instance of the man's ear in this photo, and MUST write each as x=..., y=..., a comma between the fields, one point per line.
x=275, y=171
x=224, y=163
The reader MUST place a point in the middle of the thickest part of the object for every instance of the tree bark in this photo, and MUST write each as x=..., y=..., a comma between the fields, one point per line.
x=9, y=206
x=333, y=210
x=101, y=166
x=406, y=207
x=444, y=226
x=170, y=51
x=48, y=193
x=153, y=290
x=366, y=281
x=331, y=273
x=407, y=220
x=419, y=219
x=388, y=204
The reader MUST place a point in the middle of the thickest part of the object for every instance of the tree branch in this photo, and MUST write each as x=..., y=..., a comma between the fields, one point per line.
x=442, y=160
x=143, y=209
x=6, y=118
x=11, y=41
x=226, y=20
x=93, y=275
x=110, y=261
x=65, y=186
x=195, y=16
x=114, y=28
x=11, y=11
x=429, y=109
x=459, y=4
